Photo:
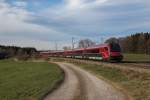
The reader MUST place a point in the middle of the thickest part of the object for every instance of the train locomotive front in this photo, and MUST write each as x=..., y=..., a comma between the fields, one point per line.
x=115, y=52
x=111, y=52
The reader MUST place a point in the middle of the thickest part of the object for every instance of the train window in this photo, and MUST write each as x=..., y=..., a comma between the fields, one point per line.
x=115, y=47
x=106, y=48
x=102, y=50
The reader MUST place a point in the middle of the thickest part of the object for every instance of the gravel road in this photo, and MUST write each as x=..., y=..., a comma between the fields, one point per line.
x=82, y=85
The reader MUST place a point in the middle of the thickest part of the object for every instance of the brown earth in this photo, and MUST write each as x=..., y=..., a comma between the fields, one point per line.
x=82, y=85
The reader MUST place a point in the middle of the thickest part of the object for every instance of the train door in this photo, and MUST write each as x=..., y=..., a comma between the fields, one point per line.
x=105, y=53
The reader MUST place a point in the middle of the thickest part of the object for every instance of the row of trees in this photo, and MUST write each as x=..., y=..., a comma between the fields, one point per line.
x=13, y=51
x=81, y=44
x=86, y=43
x=137, y=43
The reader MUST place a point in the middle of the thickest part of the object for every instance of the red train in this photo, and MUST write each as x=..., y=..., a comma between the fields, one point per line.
x=104, y=52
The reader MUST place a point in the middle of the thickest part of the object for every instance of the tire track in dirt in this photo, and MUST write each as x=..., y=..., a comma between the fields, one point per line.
x=82, y=85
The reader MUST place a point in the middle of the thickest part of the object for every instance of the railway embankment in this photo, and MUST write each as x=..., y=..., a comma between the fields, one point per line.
x=134, y=81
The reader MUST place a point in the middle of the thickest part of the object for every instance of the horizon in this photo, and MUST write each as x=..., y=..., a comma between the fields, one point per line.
x=42, y=24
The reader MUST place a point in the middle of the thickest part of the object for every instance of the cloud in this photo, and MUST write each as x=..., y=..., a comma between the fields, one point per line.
x=86, y=17
x=15, y=30
x=73, y=3
x=73, y=18
x=14, y=24
x=22, y=4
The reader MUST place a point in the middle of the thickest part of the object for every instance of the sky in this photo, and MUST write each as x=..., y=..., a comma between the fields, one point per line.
x=45, y=23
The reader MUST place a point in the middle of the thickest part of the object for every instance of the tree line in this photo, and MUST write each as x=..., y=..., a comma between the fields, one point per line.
x=84, y=43
x=14, y=51
x=136, y=43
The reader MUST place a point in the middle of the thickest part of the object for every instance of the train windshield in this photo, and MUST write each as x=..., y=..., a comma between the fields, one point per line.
x=115, y=47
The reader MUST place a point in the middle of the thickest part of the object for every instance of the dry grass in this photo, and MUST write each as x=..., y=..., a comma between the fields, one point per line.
x=137, y=57
x=135, y=83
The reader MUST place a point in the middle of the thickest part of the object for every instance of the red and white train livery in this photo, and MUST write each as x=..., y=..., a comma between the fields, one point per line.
x=104, y=52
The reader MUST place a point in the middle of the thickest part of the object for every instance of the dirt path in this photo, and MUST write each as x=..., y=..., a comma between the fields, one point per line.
x=82, y=85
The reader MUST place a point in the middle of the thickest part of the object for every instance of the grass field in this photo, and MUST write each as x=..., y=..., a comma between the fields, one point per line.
x=136, y=84
x=137, y=57
x=27, y=80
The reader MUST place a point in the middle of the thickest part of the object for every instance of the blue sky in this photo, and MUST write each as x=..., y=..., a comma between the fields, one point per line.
x=42, y=23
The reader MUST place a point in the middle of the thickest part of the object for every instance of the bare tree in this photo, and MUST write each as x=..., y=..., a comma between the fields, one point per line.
x=148, y=46
x=135, y=43
x=112, y=40
x=86, y=43
x=67, y=48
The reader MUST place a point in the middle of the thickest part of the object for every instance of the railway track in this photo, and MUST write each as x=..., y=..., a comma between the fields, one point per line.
x=141, y=67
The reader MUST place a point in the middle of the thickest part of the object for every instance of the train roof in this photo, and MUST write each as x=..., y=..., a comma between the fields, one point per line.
x=98, y=46
x=81, y=49
x=92, y=47
x=52, y=51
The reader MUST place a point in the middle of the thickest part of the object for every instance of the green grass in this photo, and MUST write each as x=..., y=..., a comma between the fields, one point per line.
x=137, y=57
x=136, y=84
x=27, y=80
